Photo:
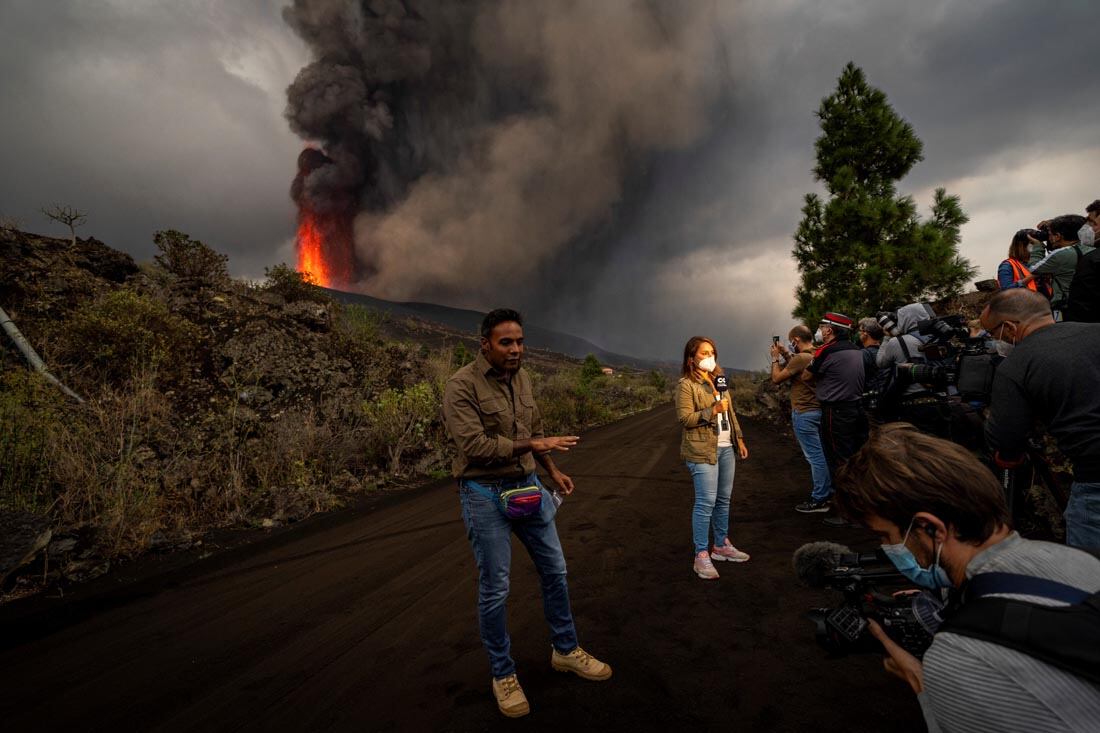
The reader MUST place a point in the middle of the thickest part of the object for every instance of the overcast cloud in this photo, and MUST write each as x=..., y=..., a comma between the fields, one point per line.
x=169, y=115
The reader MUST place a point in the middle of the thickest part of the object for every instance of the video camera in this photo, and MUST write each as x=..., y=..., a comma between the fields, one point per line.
x=965, y=362
x=908, y=616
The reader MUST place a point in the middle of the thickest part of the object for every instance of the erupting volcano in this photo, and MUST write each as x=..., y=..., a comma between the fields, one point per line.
x=311, y=257
x=324, y=227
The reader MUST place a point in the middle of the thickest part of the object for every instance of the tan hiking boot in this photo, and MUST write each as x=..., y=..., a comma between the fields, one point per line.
x=510, y=698
x=582, y=663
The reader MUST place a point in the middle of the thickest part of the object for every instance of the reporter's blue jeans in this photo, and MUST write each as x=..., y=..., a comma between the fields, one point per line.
x=713, y=489
x=490, y=535
x=1083, y=516
x=807, y=428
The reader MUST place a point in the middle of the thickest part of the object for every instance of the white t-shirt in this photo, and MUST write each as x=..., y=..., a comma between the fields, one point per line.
x=725, y=429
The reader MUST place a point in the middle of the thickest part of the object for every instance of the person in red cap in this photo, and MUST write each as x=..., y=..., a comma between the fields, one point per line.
x=837, y=374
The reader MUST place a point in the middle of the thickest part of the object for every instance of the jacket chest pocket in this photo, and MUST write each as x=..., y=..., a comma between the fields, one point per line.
x=496, y=415
x=525, y=415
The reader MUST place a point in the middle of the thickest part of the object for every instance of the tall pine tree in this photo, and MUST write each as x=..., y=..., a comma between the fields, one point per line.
x=865, y=249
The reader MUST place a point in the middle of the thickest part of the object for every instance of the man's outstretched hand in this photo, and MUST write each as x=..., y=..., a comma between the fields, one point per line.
x=560, y=442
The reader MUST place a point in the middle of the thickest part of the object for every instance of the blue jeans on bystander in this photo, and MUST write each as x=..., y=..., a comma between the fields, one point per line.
x=713, y=489
x=807, y=428
x=1083, y=516
x=490, y=535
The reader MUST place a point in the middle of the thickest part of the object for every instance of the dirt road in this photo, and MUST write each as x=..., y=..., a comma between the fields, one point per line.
x=370, y=624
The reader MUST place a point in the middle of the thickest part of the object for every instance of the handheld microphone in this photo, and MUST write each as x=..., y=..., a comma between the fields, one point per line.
x=722, y=385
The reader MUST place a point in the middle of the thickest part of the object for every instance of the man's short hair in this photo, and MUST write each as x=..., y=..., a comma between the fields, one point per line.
x=1094, y=207
x=801, y=333
x=496, y=317
x=901, y=471
x=1018, y=304
x=1067, y=225
x=870, y=327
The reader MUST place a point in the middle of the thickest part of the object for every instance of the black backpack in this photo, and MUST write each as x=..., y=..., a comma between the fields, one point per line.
x=885, y=390
x=1067, y=637
x=1083, y=302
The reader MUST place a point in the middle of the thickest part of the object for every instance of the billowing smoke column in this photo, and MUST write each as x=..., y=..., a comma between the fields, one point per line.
x=464, y=144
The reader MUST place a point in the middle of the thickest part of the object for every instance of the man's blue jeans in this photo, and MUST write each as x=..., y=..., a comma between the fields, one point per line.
x=807, y=428
x=1083, y=516
x=490, y=534
x=713, y=489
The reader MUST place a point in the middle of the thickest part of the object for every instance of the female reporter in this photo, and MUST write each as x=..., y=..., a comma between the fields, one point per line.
x=707, y=446
x=1013, y=272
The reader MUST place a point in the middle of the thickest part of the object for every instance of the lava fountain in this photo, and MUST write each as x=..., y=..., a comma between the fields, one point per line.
x=311, y=250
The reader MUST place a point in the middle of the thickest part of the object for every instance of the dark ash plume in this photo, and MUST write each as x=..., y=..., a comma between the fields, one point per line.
x=472, y=141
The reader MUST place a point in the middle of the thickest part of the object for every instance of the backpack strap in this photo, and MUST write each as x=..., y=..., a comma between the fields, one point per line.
x=986, y=584
x=1066, y=637
x=904, y=348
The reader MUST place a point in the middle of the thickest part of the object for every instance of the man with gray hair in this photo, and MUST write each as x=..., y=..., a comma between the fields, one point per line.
x=1051, y=373
x=870, y=338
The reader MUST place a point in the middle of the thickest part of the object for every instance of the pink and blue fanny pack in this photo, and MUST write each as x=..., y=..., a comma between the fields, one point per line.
x=519, y=499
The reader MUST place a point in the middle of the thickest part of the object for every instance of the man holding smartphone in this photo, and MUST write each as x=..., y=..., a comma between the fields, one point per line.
x=788, y=365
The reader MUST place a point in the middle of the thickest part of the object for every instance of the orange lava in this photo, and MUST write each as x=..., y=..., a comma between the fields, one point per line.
x=311, y=253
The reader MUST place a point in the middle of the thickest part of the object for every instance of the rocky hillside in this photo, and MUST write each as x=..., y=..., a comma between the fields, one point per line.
x=211, y=402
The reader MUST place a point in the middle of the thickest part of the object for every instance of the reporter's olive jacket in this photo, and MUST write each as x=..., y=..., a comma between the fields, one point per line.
x=695, y=409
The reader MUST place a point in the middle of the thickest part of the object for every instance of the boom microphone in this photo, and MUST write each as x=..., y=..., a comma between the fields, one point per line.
x=814, y=560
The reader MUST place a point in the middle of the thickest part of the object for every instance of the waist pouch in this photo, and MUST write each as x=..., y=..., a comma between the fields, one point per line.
x=516, y=499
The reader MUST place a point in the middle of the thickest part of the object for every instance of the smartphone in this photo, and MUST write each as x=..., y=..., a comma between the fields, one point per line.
x=775, y=339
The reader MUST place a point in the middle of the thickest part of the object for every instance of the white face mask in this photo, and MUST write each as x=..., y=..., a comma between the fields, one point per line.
x=1086, y=236
x=818, y=338
x=707, y=364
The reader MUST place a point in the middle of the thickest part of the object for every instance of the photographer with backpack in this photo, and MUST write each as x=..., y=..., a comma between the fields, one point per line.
x=928, y=410
x=1019, y=648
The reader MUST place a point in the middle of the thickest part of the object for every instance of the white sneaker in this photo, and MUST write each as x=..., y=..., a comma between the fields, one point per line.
x=704, y=568
x=728, y=553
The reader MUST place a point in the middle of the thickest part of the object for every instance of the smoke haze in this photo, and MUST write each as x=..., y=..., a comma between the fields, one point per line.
x=479, y=141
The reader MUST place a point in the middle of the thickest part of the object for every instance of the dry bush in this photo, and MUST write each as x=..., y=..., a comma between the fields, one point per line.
x=104, y=461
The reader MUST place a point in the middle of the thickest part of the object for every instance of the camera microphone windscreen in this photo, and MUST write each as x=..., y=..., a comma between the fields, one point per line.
x=814, y=560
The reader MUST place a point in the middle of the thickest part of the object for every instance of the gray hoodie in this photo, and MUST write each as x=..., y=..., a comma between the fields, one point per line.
x=891, y=352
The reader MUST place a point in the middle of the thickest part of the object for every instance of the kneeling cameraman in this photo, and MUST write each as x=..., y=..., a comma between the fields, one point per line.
x=942, y=518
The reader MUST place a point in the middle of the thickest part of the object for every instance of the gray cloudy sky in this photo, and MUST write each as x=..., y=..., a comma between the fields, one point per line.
x=154, y=115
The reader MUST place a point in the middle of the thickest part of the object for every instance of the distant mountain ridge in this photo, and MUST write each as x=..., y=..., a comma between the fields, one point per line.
x=468, y=321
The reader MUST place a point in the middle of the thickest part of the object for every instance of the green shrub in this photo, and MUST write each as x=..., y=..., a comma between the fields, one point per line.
x=400, y=419
x=189, y=259
x=293, y=285
x=30, y=413
x=461, y=356
x=123, y=331
x=359, y=325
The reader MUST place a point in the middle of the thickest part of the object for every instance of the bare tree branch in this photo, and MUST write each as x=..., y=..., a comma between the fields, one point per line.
x=68, y=216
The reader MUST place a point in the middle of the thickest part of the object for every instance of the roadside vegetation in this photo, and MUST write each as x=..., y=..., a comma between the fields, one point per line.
x=213, y=403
